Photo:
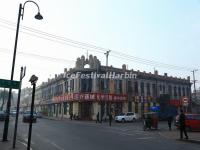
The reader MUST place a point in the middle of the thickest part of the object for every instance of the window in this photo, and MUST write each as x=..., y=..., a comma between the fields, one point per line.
x=72, y=85
x=136, y=88
x=183, y=89
x=142, y=88
x=170, y=90
x=129, y=87
x=179, y=91
x=175, y=92
x=197, y=117
x=102, y=85
x=107, y=88
x=154, y=90
x=66, y=86
x=120, y=86
x=163, y=89
x=58, y=89
x=148, y=89
x=86, y=85
x=160, y=87
x=129, y=114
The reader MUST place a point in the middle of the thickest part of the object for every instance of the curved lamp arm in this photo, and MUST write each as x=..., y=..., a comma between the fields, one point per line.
x=38, y=15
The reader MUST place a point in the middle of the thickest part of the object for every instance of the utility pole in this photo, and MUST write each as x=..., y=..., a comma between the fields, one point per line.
x=156, y=86
x=194, y=81
x=107, y=53
x=106, y=83
x=87, y=54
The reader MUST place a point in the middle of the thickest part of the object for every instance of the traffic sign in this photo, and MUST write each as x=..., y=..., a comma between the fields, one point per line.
x=9, y=84
x=185, y=101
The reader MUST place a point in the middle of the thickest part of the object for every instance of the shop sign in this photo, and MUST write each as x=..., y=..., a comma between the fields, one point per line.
x=90, y=97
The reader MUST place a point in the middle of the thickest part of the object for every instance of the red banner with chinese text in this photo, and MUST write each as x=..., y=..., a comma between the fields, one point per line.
x=90, y=97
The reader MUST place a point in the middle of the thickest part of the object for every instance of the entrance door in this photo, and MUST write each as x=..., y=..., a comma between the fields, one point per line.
x=85, y=110
x=118, y=108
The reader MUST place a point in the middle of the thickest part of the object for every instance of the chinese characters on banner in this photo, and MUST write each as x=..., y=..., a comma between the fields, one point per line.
x=90, y=97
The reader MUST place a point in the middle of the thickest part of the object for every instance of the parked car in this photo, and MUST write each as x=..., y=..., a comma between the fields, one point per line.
x=2, y=115
x=13, y=113
x=192, y=122
x=130, y=116
x=27, y=117
x=39, y=115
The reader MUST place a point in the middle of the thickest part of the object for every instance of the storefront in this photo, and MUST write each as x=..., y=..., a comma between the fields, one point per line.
x=86, y=105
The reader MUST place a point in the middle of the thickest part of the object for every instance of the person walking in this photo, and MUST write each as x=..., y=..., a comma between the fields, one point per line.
x=169, y=121
x=97, y=118
x=182, y=125
x=71, y=115
x=110, y=119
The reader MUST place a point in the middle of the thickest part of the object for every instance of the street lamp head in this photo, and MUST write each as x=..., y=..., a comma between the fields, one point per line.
x=38, y=16
x=33, y=79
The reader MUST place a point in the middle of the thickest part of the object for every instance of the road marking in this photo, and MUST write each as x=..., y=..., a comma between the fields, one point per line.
x=163, y=135
x=58, y=147
x=145, y=138
x=26, y=140
x=24, y=144
x=48, y=141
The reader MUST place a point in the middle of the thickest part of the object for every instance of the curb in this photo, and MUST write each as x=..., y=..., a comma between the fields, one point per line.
x=190, y=141
x=7, y=145
x=53, y=118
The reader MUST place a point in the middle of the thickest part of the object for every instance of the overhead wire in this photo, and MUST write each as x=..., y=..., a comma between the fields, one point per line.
x=82, y=45
x=152, y=64
x=4, y=50
x=102, y=50
x=60, y=42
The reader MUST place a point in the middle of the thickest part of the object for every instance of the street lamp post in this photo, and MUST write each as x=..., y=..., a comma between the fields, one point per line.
x=33, y=81
x=20, y=14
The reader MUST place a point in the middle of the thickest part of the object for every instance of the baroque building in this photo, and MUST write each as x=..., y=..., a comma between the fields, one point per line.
x=90, y=87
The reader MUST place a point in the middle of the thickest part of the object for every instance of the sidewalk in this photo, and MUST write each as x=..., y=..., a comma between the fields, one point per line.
x=194, y=137
x=8, y=145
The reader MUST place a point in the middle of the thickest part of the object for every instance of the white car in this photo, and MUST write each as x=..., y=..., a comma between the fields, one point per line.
x=130, y=116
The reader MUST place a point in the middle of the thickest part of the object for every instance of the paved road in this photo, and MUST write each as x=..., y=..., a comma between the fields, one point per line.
x=77, y=135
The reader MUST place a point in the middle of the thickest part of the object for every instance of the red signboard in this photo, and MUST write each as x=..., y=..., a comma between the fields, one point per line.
x=90, y=97
x=175, y=102
x=184, y=101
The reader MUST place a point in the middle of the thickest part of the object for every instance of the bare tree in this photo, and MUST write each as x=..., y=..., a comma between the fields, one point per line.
x=3, y=97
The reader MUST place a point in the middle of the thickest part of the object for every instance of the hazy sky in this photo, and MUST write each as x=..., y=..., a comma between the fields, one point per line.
x=166, y=31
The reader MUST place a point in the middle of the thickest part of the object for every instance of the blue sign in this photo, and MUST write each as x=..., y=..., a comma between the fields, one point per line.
x=155, y=108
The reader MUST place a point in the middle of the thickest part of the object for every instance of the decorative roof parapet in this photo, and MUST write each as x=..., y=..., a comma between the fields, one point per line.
x=93, y=62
